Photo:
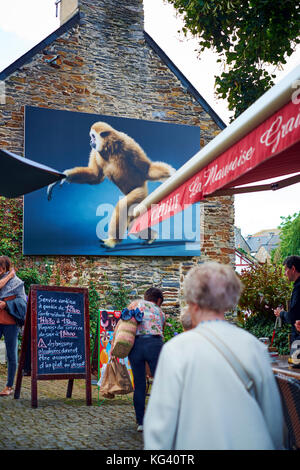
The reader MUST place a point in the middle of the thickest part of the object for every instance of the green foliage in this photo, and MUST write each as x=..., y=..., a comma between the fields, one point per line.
x=263, y=328
x=247, y=35
x=94, y=306
x=11, y=212
x=242, y=86
x=33, y=276
x=31, y=272
x=290, y=236
x=172, y=328
x=8, y=248
x=117, y=294
x=265, y=288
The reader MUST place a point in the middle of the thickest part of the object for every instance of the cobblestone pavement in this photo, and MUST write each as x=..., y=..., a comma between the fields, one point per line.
x=60, y=423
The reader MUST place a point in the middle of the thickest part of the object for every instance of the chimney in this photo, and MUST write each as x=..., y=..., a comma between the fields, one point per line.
x=120, y=12
x=66, y=8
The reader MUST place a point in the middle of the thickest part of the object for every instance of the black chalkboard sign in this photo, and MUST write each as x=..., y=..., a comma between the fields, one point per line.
x=57, y=332
x=60, y=332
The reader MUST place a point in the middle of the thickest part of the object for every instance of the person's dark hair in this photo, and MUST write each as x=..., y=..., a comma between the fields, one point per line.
x=153, y=294
x=5, y=263
x=291, y=261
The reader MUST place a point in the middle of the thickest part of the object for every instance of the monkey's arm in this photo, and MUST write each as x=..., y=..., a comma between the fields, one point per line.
x=91, y=174
x=84, y=175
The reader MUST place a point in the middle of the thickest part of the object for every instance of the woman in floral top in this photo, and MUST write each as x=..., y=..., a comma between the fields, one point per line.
x=153, y=319
x=147, y=346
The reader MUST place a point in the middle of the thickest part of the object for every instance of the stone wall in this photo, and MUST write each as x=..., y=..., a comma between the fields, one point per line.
x=104, y=66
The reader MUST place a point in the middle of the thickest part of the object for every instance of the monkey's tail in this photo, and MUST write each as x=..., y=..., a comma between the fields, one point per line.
x=160, y=171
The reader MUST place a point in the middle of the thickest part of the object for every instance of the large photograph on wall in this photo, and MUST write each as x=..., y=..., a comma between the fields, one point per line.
x=111, y=164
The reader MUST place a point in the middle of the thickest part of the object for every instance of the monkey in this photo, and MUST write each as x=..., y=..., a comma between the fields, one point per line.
x=118, y=157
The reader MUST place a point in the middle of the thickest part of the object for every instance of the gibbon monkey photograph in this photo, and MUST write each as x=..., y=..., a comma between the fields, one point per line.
x=121, y=159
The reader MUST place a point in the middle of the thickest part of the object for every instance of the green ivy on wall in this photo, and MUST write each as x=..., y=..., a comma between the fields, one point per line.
x=11, y=213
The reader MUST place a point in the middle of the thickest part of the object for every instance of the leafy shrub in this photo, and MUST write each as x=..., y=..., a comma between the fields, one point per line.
x=32, y=276
x=263, y=328
x=265, y=288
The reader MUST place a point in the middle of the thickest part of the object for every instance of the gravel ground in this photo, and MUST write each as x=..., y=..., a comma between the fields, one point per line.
x=60, y=423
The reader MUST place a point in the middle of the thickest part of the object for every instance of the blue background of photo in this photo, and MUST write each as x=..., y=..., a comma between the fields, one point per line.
x=67, y=225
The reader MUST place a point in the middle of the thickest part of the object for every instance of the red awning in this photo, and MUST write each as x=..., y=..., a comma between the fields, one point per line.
x=270, y=150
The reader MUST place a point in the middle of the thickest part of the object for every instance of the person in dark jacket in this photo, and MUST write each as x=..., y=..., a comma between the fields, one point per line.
x=12, y=299
x=292, y=272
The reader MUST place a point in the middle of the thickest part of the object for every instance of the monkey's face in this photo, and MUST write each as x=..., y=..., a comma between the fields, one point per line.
x=98, y=137
x=95, y=140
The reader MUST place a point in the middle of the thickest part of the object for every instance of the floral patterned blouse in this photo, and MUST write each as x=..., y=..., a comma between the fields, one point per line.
x=153, y=320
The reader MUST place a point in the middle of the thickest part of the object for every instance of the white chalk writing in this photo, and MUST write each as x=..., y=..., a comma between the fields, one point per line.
x=60, y=326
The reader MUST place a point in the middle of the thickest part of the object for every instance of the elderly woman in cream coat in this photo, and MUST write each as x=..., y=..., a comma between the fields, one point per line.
x=199, y=398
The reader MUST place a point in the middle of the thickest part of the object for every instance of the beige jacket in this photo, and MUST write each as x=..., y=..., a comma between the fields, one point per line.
x=197, y=400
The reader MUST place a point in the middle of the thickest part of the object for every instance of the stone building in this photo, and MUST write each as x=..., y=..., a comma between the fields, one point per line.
x=101, y=61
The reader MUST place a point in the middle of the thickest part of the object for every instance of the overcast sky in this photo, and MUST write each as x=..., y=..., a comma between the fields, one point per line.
x=23, y=23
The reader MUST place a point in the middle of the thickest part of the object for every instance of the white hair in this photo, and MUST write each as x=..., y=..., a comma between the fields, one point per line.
x=213, y=286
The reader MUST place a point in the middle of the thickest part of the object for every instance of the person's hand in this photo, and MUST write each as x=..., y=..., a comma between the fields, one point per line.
x=2, y=304
x=277, y=311
x=297, y=325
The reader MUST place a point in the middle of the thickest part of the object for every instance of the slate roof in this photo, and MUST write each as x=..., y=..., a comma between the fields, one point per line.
x=75, y=19
x=269, y=240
